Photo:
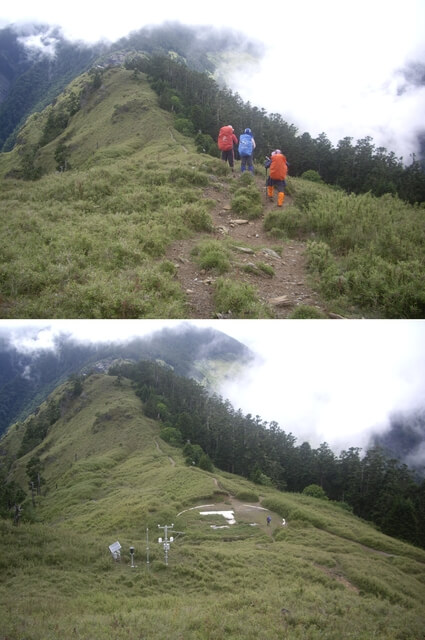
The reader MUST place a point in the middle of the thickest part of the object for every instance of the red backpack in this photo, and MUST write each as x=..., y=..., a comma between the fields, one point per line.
x=225, y=138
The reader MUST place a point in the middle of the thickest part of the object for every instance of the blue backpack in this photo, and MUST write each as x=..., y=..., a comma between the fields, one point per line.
x=245, y=144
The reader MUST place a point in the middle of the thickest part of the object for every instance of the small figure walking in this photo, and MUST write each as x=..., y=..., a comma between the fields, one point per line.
x=226, y=140
x=17, y=514
x=268, y=520
x=246, y=150
x=278, y=172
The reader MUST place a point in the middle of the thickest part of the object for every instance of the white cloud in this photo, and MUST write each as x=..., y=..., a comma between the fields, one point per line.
x=40, y=44
x=37, y=335
x=333, y=381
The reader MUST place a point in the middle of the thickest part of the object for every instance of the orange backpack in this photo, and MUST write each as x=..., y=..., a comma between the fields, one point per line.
x=278, y=167
x=225, y=138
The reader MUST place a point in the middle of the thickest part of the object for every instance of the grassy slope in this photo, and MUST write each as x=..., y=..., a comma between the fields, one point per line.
x=109, y=476
x=90, y=242
x=365, y=254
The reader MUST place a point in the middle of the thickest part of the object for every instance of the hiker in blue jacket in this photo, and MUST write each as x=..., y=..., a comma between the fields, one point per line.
x=246, y=150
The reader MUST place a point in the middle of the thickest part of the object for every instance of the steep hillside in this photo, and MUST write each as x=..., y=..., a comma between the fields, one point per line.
x=27, y=378
x=106, y=476
x=102, y=115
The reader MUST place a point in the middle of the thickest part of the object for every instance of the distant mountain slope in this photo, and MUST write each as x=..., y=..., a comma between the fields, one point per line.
x=405, y=439
x=26, y=379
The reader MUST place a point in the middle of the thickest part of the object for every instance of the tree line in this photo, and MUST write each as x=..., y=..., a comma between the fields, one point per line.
x=201, y=107
x=375, y=487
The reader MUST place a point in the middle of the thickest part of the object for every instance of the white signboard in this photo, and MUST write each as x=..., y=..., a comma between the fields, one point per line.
x=115, y=550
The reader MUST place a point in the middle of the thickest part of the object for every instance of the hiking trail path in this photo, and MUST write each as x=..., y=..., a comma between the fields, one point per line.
x=283, y=291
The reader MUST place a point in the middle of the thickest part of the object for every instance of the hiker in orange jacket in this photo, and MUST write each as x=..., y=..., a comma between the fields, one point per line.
x=226, y=140
x=277, y=178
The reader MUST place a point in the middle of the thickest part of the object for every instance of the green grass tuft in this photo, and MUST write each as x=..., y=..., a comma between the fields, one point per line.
x=212, y=256
x=238, y=298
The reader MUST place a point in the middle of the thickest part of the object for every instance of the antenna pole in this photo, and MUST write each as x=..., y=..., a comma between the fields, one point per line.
x=166, y=541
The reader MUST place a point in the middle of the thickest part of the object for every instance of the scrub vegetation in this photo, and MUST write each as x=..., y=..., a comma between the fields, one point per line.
x=365, y=254
x=108, y=475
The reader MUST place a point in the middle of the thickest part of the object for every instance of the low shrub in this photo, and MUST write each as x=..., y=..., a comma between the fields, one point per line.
x=261, y=268
x=212, y=256
x=184, y=126
x=183, y=177
x=314, y=491
x=313, y=176
x=306, y=312
x=197, y=218
x=238, y=298
x=247, y=496
x=319, y=256
x=171, y=435
x=288, y=221
x=247, y=201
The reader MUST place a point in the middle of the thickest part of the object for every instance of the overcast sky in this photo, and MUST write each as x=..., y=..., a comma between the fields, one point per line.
x=334, y=66
x=332, y=381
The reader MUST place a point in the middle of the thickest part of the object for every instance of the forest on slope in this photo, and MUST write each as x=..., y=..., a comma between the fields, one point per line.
x=31, y=77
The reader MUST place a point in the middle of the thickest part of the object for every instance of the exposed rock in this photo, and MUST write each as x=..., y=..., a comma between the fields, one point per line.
x=280, y=301
x=245, y=250
x=271, y=253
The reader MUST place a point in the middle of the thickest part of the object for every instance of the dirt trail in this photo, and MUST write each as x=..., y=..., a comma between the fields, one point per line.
x=283, y=291
x=170, y=459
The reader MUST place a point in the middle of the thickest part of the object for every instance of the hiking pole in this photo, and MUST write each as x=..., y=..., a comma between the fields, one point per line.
x=266, y=177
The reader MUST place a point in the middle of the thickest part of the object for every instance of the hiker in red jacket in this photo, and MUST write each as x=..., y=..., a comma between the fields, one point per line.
x=277, y=178
x=226, y=140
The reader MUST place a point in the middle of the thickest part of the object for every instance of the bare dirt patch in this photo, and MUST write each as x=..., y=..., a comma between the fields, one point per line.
x=337, y=575
x=283, y=291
